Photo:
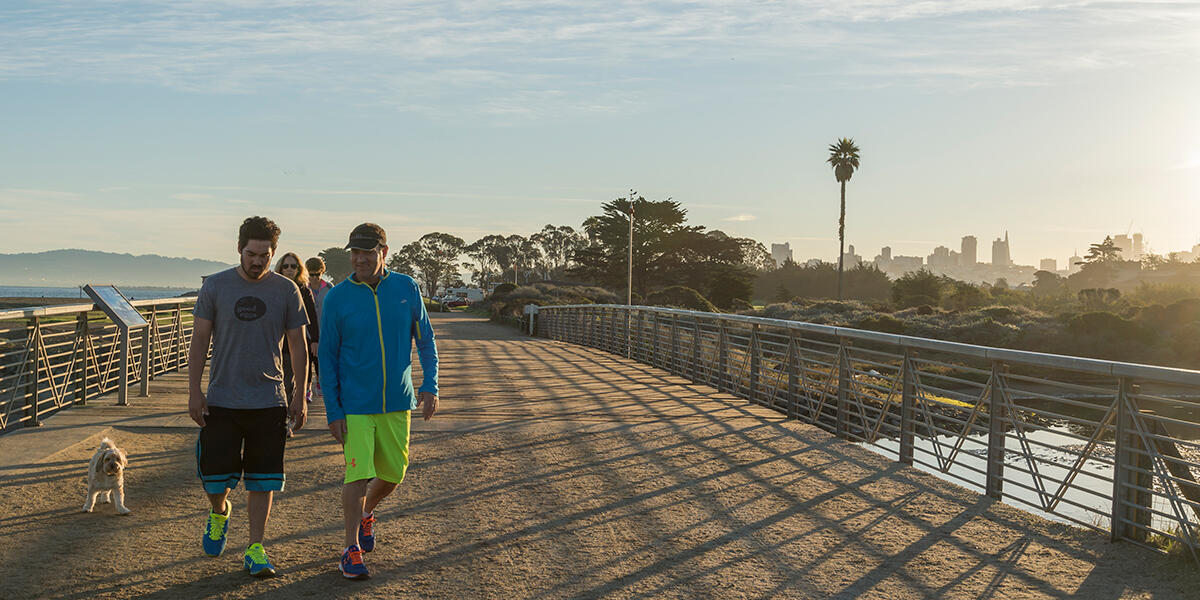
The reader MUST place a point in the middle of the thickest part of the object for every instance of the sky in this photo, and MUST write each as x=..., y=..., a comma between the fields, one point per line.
x=156, y=127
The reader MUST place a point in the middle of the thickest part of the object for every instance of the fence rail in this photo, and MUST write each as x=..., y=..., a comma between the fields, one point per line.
x=54, y=357
x=1105, y=445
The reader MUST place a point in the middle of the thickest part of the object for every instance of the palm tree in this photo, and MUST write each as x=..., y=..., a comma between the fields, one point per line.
x=843, y=157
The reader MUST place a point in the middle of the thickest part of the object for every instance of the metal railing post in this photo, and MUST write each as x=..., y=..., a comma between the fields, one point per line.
x=155, y=341
x=1121, y=460
x=755, y=363
x=639, y=338
x=674, y=360
x=588, y=330
x=793, y=373
x=628, y=333
x=696, y=337
x=81, y=335
x=908, y=399
x=842, y=428
x=722, y=354
x=33, y=367
x=1132, y=480
x=180, y=346
x=994, y=485
x=144, y=392
x=610, y=335
x=123, y=335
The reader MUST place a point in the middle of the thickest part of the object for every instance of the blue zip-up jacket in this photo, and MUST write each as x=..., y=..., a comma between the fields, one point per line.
x=366, y=347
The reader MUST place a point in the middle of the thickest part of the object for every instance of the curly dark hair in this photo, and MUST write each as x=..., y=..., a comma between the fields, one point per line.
x=258, y=228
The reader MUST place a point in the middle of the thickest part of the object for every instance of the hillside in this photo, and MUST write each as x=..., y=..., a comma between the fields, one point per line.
x=75, y=267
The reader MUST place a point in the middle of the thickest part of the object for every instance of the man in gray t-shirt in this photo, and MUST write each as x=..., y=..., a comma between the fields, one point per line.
x=249, y=320
x=246, y=312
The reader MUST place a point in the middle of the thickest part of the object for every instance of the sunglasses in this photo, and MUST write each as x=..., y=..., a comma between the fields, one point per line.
x=289, y=267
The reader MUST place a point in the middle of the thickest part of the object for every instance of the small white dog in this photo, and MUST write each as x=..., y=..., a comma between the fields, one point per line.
x=106, y=477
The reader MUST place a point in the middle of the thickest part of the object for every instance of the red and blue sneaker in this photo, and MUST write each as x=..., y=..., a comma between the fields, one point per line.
x=352, y=566
x=366, y=533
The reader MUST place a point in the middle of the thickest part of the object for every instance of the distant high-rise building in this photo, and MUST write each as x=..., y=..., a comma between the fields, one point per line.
x=1073, y=265
x=883, y=260
x=969, y=254
x=904, y=264
x=781, y=253
x=1001, y=257
x=1125, y=245
x=1049, y=264
x=1138, y=247
x=940, y=259
x=850, y=259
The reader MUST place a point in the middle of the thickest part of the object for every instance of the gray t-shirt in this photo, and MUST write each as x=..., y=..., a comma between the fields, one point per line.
x=249, y=323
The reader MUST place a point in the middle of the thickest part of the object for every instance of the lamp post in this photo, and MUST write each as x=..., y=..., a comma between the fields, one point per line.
x=629, y=294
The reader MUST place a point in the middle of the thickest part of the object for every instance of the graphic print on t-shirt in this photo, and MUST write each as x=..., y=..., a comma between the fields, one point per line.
x=249, y=308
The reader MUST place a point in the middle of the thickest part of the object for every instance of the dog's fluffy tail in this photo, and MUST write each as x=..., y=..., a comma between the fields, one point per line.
x=107, y=443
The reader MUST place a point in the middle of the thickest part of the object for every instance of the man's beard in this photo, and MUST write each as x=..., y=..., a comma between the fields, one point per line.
x=254, y=271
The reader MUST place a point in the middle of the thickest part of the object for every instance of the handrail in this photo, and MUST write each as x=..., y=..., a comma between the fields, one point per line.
x=1083, y=440
x=66, y=309
x=1038, y=359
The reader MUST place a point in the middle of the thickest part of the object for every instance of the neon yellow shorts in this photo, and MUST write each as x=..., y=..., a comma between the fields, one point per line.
x=377, y=446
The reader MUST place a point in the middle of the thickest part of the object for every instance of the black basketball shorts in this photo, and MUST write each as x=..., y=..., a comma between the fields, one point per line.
x=242, y=444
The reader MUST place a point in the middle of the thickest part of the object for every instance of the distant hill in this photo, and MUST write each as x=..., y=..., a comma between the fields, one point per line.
x=65, y=268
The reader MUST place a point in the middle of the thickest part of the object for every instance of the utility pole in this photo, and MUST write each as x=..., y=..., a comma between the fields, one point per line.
x=629, y=295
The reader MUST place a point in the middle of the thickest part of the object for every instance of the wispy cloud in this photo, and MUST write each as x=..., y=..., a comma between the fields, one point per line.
x=741, y=218
x=515, y=61
x=1187, y=164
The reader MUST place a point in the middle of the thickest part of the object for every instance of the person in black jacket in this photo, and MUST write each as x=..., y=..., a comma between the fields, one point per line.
x=292, y=267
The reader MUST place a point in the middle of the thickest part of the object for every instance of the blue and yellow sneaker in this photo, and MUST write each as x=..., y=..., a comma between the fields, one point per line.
x=256, y=561
x=366, y=533
x=352, y=566
x=216, y=529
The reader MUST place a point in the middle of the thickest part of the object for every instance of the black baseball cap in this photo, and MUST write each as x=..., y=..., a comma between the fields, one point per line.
x=367, y=236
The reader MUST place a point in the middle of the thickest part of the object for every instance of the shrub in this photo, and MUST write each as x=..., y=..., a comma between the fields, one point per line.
x=999, y=312
x=504, y=289
x=918, y=287
x=984, y=332
x=1102, y=323
x=509, y=302
x=678, y=296
x=884, y=323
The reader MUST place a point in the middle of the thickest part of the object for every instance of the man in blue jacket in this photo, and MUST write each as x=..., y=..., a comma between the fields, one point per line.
x=368, y=325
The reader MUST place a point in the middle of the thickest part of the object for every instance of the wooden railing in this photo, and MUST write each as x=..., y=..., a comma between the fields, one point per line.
x=54, y=357
x=1104, y=445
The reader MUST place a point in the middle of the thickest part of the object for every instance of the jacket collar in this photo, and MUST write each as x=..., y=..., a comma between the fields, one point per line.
x=355, y=281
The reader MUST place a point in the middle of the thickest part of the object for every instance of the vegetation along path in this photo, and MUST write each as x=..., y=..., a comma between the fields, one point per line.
x=553, y=471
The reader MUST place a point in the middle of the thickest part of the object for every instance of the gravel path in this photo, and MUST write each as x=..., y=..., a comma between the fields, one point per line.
x=555, y=471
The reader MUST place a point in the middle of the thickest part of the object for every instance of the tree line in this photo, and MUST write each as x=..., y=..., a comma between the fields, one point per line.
x=667, y=252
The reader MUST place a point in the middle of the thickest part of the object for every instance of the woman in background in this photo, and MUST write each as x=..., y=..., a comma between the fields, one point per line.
x=319, y=287
x=289, y=266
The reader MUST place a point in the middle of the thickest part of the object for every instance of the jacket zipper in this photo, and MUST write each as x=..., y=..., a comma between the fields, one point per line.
x=382, y=348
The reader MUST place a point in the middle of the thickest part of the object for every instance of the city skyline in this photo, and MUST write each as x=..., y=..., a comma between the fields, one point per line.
x=1132, y=247
x=158, y=128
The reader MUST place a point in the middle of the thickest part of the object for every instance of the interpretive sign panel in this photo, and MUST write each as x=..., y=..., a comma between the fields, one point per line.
x=115, y=305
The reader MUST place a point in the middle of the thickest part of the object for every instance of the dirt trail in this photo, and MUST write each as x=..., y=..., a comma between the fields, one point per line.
x=555, y=471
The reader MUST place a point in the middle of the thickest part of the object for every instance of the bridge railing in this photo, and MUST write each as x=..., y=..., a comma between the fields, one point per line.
x=1105, y=445
x=53, y=357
